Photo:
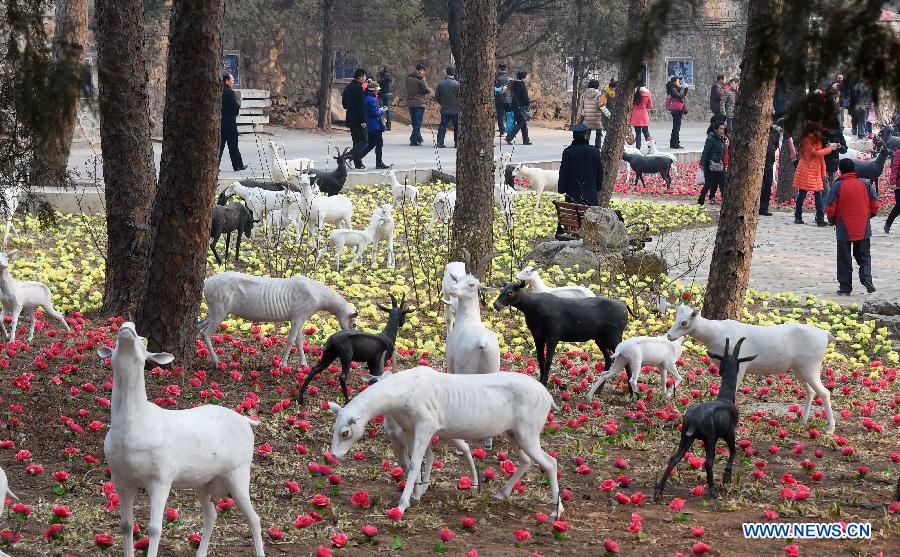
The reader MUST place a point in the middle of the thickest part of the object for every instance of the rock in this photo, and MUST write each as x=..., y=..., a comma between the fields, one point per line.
x=576, y=256
x=892, y=322
x=544, y=252
x=645, y=264
x=603, y=231
x=881, y=305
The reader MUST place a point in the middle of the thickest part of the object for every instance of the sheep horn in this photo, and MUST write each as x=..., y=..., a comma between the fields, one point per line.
x=737, y=347
x=393, y=300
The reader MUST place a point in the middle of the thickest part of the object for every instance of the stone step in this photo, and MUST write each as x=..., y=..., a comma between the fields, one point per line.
x=241, y=119
x=252, y=93
x=255, y=103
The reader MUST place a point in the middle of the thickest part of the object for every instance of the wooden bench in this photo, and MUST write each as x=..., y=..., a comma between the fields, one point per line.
x=570, y=216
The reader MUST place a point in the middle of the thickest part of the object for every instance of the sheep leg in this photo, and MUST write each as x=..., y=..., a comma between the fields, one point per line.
x=295, y=338
x=390, y=250
x=815, y=383
x=636, y=367
x=684, y=445
x=213, y=319
x=669, y=365
x=604, y=377
x=420, y=443
x=212, y=246
x=51, y=311
x=159, y=493
x=31, y=327
x=345, y=371
x=126, y=515
x=227, y=243
x=239, y=485
x=548, y=361
x=463, y=447
x=237, y=247
x=3, y=314
x=732, y=453
x=531, y=446
x=15, y=322
x=209, y=520
x=524, y=464
x=540, y=354
x=668, y=179
x=708, y=465
x=423, y=481
x=326, y=360
x=808, y=404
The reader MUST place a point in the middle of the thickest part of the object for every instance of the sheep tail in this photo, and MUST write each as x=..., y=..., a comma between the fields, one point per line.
x=633, y=314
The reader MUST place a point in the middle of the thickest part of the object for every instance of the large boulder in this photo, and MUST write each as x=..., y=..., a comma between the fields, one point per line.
x=576, y=256
x=881, y=305
x=603, y=231
x=645, y=264
x=890, y=322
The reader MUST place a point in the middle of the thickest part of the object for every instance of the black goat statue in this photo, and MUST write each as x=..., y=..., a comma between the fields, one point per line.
x=552, y=319
x=650, y=164
x=356, y=346
x=711, y=421
x=235, y=217
x=331, y=183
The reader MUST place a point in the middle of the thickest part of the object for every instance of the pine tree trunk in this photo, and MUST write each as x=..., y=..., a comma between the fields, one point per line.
x=729, y=270
x=474, y=214
x=619, y=122
x=129, y=174
x=69, y=46
x=327, y=69
x=455, y=13
x=785, y=190
x=188, y=170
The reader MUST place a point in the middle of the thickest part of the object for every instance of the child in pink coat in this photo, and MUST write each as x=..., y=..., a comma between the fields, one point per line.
x=640, y=114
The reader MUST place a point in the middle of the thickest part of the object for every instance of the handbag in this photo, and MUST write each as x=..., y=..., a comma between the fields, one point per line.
x=716, y=166
x=527, y=112
x=674, y=104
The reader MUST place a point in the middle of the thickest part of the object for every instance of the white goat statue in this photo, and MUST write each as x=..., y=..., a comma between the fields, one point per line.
x=278, y=220
x=207, y=448
x=10, y=205
x=442, y=210
x=637, y=352
x=270, y=300
x=19, y=295
x=534, y=281
x=318, y=209
x=789, y=346
x=504, y=197
x=539, y=180
x=282, y=169
x=260, y=201
x=651, y=144
x=453, y=271
x=381, y=226
x=5, y=491
x=425, y=403
x=402, y=193
x=500, y=167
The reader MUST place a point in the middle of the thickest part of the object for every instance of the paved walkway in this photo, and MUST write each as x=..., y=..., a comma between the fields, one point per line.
x=789, y=257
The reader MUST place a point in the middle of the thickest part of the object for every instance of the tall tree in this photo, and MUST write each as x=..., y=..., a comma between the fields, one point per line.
x=729, y=271
x=629, y=66
x=129, y=173
x=326, y=72
x=474, y=215
x=455, y=12
x=188, y=171
x=69, y=46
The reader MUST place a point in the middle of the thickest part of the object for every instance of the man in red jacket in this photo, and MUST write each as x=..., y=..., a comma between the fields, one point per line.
x=851, y=205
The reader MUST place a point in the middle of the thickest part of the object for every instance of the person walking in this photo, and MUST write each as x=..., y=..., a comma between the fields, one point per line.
x=353, y=99
x=811, y=173
x=833, y=136
x=521, y=107
x=374, y=124
x=895, y=178
x=728, y=104
x=385, y=80
x=765, y=194
x=640, y=114
x=417, y=93
x=677, y=107
x=447, y=95
x=607, y=98
x=580, y=172
x=502, y=98
x=716, y=96
x=712, y=160
x=863, y=102
x=589, y=111
x=851, y=206
x=231, y=107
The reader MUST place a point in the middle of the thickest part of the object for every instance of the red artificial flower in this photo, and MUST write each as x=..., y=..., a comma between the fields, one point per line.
x=607, y=485
x=610, y=546
x=541, y=517
x=560, y=526
x=61, y=476
x=103, y=541
x=53, y=531
x=468, y=522
x=62, y=511
x=369, y=531
x=522, y=535
x=698, y=491
x=323, y=551
x=792, y=550
x=304, y=521
x=394, y=513
x=319, y=501
x=446, y=534
x=621, y=498
x=770, y=514
x=638, y=498
x=677, y=504
x=339, y=540
x=620, y=463
x=465, y=482
x=699, y=548
x=697, y=531
x=275, y=533
x=360, y=499
x=225, y=504
x=292, y=486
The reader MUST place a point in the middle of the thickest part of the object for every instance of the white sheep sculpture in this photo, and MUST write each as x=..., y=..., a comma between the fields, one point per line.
x=402, y=193
x=10, y=205
x=637, y=352
x=442, y=211
x=453, y=271
x=207, y=448
x=381, y=227
x=425, y=403
x=282, y=169
x=19, y=295
x=789, y=346
x=534, y=281
x=539, y=180
x=270, y=300
x=261, y=201
x=504, y=197
x=5, y=491
x=317, y=209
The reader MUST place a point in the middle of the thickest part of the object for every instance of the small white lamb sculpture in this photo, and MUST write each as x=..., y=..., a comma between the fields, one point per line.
x=539, y=180
x=453, y=271
x=282, y=169
x=270, y=300
x=425, y=403
x=442, y=210
x=402, y=193
x=789, y=346
x=534, y=281
x=318, y=209
x=207, y=448
x=10, y=205
x=277, y=221
x=637, y=352
x=17, y=296
x=381, y=225
x=260, y=201
x=504, y=197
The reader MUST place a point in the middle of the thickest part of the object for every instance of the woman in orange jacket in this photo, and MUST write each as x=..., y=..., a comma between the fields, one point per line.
x=811, y=173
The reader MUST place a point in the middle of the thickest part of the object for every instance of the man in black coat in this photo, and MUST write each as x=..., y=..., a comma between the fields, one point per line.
x=765, y=194
x=230, y=109
x=385, y=81
x=580, y=173
x=353, y=100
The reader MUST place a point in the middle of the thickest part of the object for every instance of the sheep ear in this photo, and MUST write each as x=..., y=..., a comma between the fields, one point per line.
x=521, y=284
x=161, y=358
x=486, y=289
x=747, y=359
x=355, y=420
x=695, y=314
x=334, y=407
x=715, y=356
x=383, y=307
x=104, y=352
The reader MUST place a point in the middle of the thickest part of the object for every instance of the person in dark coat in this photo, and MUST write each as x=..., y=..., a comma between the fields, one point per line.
x=833, y=134
x=765, y=195
x=520, y=103
x=502, y=97
x=580, y=173
x=385, y=81
x=374, y=124
x=231, y=106
x=353, y=100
